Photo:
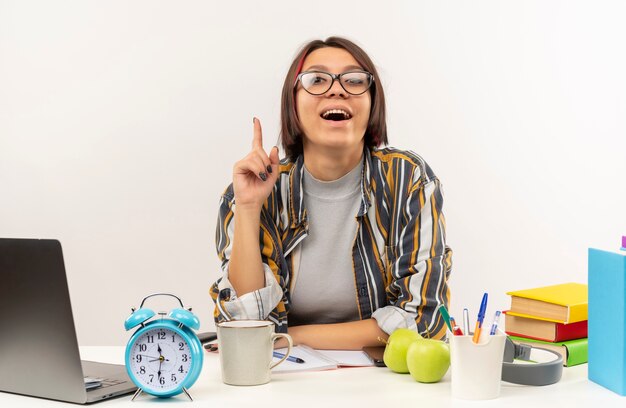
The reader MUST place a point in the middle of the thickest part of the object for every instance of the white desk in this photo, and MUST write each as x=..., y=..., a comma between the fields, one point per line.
x=348, y=387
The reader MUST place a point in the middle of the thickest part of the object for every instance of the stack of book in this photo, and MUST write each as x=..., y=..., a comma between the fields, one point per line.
x=552, y=317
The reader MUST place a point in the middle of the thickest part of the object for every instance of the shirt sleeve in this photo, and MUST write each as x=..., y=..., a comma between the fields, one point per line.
x=255, y=305
x=419, y=266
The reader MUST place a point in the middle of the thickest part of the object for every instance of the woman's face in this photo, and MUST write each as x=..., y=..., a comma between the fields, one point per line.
x=321, y=132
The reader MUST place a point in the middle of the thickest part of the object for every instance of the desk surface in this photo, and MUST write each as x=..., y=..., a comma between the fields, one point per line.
x=355, y=387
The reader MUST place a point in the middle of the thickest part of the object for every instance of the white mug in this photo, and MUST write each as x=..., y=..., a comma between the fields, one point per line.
x=246, y=348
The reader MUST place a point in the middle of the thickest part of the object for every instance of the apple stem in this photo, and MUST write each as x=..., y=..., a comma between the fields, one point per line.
x=427, y=333
x=382, y=340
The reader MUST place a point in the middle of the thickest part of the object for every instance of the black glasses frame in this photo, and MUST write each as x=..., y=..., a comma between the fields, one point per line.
x=338, y=78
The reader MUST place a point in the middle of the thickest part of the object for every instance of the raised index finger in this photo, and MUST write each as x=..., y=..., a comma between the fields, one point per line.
x=257, y=139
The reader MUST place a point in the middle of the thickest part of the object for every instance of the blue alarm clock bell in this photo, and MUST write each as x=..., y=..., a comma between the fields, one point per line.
x=164, y=356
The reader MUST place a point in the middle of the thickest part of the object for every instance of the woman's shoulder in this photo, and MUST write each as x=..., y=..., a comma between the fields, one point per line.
x=393, y=158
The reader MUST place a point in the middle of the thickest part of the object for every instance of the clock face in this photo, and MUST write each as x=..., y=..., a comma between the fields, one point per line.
x=160, y=359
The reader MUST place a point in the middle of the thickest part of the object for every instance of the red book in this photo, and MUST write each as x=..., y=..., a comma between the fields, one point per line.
x=519, y=325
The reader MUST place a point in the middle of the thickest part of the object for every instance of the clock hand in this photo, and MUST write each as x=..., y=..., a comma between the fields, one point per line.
x=145, y=355
x=160, y=359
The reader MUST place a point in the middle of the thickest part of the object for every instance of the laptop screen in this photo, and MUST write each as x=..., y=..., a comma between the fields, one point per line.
x=38, y=346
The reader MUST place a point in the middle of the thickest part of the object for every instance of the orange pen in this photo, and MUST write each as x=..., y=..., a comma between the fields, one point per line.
x=481, y=317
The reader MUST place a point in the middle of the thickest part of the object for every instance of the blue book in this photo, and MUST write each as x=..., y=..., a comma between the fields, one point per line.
x=607, y=319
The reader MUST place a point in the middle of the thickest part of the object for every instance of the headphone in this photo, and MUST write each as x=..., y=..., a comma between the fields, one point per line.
x=536, y=365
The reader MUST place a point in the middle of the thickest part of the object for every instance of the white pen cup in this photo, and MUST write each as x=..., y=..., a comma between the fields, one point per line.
x=477, y=367
x=246, y=350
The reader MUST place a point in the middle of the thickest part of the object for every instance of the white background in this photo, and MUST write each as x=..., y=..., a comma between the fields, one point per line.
x=120, y=122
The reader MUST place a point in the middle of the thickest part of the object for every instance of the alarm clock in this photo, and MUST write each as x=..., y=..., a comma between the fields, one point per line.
x=164, y=356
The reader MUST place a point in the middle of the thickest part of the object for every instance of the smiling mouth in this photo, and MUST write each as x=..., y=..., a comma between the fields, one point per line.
x=336, y=115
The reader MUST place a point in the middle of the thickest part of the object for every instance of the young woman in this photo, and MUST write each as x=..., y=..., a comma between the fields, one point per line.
x=341, y=242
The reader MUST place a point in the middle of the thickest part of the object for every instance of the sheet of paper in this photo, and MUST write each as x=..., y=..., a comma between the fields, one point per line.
x=313, y=361
x=347, y=358
x=316, y=360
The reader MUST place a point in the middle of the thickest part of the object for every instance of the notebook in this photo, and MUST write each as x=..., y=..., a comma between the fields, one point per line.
x=318, y=360
x=607, y=318
x=38, y=349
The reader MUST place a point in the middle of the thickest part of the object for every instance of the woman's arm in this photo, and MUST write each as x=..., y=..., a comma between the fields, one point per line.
x=253, y=179
x=246, y=267
x=338, y=336
x=253, y=303
x=248, y=288
x=419, y=264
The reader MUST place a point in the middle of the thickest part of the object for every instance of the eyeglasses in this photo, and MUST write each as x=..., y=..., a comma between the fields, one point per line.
x=319, y=82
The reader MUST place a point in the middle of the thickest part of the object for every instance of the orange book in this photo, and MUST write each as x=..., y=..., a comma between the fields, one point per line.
x=565, y=303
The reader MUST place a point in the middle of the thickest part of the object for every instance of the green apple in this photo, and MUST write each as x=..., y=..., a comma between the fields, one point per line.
x=428, y=360
x=397, y=347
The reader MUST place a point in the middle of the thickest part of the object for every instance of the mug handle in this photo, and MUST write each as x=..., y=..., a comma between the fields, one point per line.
x=287, y=337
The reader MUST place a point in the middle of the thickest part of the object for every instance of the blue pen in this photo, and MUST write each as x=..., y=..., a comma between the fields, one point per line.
x=481, y=317
x=290, y=358
x=494, y=325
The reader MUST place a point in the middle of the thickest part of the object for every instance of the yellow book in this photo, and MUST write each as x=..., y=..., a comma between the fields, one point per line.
x=564, y=303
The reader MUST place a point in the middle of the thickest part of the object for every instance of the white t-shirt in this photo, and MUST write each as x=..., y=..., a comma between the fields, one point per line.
x=326, y=253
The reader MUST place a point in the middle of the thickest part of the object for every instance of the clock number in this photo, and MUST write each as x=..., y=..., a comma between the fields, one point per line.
x=142, y=370
x=181, y=346
x=150, y=339
x=162, y=380
x=181, y=370
x=173, y=338
x=161, y=335
x=142, y=347
x=151, y=377
x=138, y=358
x=173, y=378
x=184, y=358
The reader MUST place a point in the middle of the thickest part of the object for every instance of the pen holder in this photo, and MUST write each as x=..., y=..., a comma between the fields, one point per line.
x=477, y=367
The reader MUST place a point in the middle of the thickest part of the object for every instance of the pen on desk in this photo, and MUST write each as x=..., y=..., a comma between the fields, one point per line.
x=479, y=320
x=456, y=330
x=290, y=358
x=445, y=315
x=466, y=321
x=494, y=325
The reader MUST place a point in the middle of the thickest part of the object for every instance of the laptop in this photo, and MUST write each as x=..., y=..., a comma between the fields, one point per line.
x=38, y=346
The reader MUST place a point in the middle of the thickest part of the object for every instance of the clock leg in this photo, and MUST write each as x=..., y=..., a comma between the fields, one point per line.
x=137, y=393
x=187, y=393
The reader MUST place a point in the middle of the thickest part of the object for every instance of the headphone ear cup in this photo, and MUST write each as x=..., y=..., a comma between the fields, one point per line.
x=138, y=317
x=185, y=317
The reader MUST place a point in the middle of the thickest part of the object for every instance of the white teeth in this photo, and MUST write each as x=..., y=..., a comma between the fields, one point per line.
x=338, y=111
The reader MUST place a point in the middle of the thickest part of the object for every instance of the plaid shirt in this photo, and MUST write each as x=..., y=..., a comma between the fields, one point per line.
x=401, y=262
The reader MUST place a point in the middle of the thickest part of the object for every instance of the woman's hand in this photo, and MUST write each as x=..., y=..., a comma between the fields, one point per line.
x=254, y=176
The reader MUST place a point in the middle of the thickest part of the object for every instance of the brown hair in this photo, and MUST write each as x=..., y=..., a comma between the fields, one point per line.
x=291, y=131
